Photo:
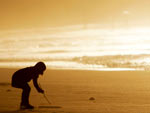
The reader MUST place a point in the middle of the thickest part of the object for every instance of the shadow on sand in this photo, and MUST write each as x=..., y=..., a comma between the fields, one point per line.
x=17, y=111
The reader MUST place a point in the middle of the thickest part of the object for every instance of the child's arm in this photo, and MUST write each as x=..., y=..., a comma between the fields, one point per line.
x=37, y=86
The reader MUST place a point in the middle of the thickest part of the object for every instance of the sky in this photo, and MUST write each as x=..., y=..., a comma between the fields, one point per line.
x=24, y=14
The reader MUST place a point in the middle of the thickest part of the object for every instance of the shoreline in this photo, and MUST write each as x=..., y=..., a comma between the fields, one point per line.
x=6, y=73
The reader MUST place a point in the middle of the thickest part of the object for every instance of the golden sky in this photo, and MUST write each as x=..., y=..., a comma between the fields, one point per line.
x=16, y=14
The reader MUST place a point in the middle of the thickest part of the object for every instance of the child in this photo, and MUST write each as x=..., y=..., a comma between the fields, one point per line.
x=21, y=78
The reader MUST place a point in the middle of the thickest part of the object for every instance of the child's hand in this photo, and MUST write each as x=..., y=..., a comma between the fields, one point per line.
x=41, y=91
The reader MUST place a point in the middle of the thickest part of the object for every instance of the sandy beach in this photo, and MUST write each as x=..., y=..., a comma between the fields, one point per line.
x=96, y=54
x=113, y=92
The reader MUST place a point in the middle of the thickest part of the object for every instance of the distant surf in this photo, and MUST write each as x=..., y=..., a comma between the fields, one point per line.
x=92, y=48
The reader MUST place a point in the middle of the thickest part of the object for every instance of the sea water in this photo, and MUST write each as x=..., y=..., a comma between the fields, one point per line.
x=65, y=48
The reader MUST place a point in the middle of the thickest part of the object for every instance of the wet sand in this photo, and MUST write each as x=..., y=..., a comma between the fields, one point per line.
x=111, y=92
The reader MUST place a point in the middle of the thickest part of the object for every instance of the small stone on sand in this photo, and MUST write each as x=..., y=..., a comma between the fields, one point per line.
x=91, y=98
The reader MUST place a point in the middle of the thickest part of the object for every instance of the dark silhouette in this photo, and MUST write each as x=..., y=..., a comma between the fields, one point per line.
x=21, y=78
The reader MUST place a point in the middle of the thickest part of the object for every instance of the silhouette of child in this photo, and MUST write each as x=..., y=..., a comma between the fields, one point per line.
x=21, y=78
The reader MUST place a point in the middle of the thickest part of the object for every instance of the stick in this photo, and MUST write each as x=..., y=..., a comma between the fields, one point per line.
x=46, y=98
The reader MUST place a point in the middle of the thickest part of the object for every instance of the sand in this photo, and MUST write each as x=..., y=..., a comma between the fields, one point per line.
x=111, y=92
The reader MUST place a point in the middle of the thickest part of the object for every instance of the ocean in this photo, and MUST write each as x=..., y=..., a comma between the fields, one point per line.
x=77, y=48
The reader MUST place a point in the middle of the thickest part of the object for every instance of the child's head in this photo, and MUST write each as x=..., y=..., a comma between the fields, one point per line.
x=40, y=67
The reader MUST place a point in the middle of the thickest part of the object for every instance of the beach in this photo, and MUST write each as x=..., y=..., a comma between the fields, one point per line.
x=96, y=54
x=72, y=90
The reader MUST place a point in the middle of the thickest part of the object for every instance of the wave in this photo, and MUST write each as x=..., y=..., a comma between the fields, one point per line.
x=116, y=61
x=141, y=61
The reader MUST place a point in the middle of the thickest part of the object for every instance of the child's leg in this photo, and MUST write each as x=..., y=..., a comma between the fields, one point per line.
x=25, y=94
